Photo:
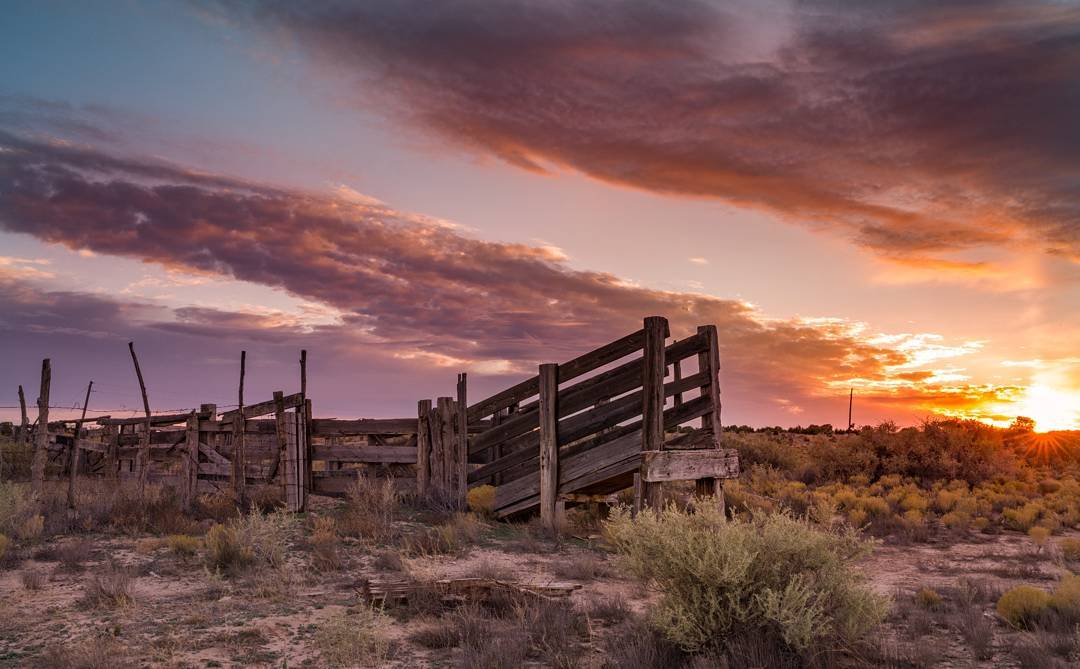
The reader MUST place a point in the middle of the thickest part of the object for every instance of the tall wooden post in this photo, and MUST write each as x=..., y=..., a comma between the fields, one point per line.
x=189, y=470
x=709, y=362
x=447, y=420
x=549, y=445
x=41, y=436
x=423, y=447
x=279, y=429
x=239, y=470
x=653, y=371
x=461, y=450
x=24, y=424
x=143, y=458
x=73, y=452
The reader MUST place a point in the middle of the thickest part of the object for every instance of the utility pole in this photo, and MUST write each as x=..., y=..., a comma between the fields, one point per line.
x=851, y=399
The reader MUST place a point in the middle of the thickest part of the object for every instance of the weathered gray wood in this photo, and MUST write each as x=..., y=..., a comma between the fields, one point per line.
x=158, y=420
x=713, y=463
x=262, y=408
x=461, y=442
x=189, y=468
x=423, y=447
x=142, y=462
x=41, y=436
x=568, y=370
x=279, y=430
x=323, y=427
x=212, y=455
x=447, y=421
x=436, y=438
x=239, y=457
x=73, y=453
x=372, y=454
x=676, y=373
x=295, y=455
x=549, y=443
x=709, y=365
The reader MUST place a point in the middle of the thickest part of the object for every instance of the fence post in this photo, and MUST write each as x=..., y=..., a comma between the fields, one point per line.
x=445, y=454
x=190, y=469
x=709, y=362
x=653, y=370
x=549, y=445
x=423, y=446
x=41, y=435
x=461, y=450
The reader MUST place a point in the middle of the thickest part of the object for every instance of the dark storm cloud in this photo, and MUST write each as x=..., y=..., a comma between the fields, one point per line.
x=404, y=285
x=914, y=128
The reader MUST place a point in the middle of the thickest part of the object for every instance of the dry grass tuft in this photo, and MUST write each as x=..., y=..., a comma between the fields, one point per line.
x=388, y=560
x=108, y=588
x=89, y=653
x=325, y=545
x=355, y=638
x=32, y=579
x=369, y=510
x=611, y=609
x=183, y=545
x=72, y=554
x=582, y=568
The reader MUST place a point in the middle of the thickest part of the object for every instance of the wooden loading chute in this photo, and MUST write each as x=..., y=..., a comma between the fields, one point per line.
x=615, y=417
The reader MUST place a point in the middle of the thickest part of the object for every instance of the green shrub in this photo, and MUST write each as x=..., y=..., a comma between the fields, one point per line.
x=772, y=573
x=1066, y=598
x=1022, y=605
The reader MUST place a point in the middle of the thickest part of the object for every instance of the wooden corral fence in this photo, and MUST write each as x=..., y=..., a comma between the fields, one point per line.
x=584, y=429
x=576, y=432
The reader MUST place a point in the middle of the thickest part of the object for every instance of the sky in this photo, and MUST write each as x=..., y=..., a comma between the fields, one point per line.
x=882, y=196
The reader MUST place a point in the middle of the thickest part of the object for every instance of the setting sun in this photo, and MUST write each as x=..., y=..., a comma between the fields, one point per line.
x=1051, y=408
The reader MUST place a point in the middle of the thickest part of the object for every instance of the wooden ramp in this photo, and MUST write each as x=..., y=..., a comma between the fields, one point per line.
x=589, y=426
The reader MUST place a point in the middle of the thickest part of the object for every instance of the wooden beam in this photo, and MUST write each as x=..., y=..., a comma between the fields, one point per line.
x=549, y=444
x=447, y=415
x=423, y=447
x=158, y=420
x=41, y=436
x=436, y=438
x=324, y=427
x=293, y=401
x=142, y=462
x=657, y=466
x=371, y=454
x=279, y=430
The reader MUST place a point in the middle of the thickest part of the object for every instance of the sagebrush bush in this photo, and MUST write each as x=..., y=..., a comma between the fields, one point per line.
x=17, y=505
x=108, y=588
x=1066, y=598
x=928, y=598
x=773, y=573
x=1070, y=549
x=1022, y=605
x=481, y=500
x=325, y=545
x=4, y=543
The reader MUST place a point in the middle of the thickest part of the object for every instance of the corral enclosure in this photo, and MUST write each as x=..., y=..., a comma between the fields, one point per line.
x=576, y=432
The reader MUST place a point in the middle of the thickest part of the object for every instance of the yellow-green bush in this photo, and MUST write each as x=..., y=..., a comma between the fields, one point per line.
x=1066, y=598
x=1022, y=605
x=31, y=528
x=4, y=543
x=1070, y=549
x=481, y=500
x=184, y=545
x=1040, y=536
x=775, y=574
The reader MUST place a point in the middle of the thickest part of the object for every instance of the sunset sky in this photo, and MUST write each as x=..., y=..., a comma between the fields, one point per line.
x=882, y=195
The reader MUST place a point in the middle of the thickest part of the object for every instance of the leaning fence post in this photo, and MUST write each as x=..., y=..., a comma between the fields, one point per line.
x=549, y=445
x=653, y=371
x=73, y=454
x=423, y=446
x=239, y=470
x=190, y=469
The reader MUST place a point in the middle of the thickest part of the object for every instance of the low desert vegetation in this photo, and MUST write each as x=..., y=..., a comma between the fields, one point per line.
x=794, y=583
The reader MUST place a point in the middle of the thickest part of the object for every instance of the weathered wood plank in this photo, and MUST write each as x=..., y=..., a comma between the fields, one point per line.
x=549, y=443
x=423, y=447
x=659, y=466
x=373, y=454
x=326, y=427
x=262, y=408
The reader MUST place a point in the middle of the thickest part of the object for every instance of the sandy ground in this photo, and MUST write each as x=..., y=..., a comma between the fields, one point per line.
x=184, y=616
